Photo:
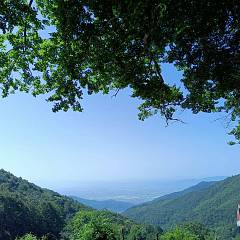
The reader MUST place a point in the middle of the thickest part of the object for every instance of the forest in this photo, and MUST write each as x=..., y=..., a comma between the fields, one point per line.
x=28, y=212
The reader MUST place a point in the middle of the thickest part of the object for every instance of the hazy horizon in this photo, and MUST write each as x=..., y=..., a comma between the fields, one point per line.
x=135, y=192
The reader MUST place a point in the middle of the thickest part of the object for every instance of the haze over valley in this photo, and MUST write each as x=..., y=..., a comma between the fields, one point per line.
x=129, y=191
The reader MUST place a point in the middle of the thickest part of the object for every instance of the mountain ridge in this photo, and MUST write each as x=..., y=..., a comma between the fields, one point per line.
x=213, y=206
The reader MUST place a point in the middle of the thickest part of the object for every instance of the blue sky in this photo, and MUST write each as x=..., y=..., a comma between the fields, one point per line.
x=107, y=142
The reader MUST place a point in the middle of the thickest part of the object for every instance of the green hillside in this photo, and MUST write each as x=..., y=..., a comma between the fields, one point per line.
x=214, y=206
x=25, y=207
x=200, y=186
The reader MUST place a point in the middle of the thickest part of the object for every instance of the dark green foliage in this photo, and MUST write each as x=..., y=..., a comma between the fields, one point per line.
x=215, y=207
x=91, y=226
x=110, y=45
x=199, y=231
x=104, y=225
x=179, y=234
x=24, y=208
x=95, y=226
x=148, y=232
x=30, y=236
x=27, y=237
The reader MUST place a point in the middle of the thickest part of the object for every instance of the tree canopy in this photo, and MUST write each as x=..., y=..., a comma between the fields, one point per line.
x=105, y=225
x=188, y=233
x=66, y=48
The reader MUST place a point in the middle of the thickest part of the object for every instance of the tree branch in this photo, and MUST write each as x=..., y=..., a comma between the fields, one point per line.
x=116, y=93
x=25, y=28
x=30, y=3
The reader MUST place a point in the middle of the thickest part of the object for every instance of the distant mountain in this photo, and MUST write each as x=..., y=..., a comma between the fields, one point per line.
x=212, y=204
x=111, y=205
x=25, y=207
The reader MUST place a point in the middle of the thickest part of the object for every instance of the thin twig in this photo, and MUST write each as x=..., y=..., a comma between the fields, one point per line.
x=25, y=28
x=30, y=3
x=116, y=93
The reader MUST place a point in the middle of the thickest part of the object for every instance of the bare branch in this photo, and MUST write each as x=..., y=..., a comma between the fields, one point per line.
x=116, y=93
x=30, y=3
